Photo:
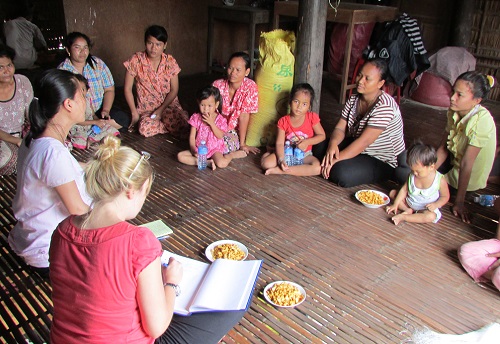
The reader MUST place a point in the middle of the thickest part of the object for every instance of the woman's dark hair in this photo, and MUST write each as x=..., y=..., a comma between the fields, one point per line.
x=478, y=83
x=381, y=65
x=6, y=51
x=50, y=90
x=207, y=92
x=156, y=31
x=72, y=37
x=420, y=152
x=304, y=87
x=83, y=80
x=243, y=55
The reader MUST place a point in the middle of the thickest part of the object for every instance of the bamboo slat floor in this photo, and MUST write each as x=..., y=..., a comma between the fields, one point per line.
x=367, y=280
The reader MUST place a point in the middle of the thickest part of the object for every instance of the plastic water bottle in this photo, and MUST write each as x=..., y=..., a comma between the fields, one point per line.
x=486, y=200
x=288, y=153
x=298, y=156
x=94, y=130
x=202, y=155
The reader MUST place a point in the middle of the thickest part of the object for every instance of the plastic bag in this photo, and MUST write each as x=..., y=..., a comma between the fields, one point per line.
x=274, y=78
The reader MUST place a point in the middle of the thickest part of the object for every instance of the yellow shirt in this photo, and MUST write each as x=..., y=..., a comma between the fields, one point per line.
x=477, y=129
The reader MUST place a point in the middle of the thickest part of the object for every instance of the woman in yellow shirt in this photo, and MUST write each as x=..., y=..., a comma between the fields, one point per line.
x=467, y=150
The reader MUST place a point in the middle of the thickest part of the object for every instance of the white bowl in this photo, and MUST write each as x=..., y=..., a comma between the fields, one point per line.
x=208, y=250
x=384, y=196
x=270, y=285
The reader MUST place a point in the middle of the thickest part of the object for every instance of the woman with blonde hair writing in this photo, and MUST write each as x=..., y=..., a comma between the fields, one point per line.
x=108, y=282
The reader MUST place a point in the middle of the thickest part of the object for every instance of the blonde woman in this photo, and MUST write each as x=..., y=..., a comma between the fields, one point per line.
x=107, y=279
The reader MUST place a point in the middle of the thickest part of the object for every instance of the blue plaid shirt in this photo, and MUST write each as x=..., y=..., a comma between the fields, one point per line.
x=98, y=78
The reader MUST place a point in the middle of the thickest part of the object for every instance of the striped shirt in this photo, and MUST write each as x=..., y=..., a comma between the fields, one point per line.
x=99, y=78
x=384, y=115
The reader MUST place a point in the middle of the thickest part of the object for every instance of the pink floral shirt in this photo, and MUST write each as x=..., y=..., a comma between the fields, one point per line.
x=205, y=133
x=152, y=86
x=245, y=100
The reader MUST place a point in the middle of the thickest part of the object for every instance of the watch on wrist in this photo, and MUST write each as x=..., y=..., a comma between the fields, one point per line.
x=175, y=287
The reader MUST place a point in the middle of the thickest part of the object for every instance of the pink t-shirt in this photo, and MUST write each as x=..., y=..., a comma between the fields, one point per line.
x=94, y=275
x=305, y=131
x=205, y=133
x=152, y=85
x=245, y=100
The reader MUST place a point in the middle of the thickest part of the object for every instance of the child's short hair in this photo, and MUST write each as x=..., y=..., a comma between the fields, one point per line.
x=420, y=152
x=303, y=87
x=207, y=92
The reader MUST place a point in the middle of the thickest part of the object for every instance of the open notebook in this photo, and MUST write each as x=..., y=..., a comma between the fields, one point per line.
x=224, y=285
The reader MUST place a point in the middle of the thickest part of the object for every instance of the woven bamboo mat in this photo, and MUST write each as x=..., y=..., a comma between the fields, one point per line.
x=366, y=279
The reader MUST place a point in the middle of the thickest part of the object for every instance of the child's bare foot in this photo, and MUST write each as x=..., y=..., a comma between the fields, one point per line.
x=393, y=194
x=398, y=218
x=273, y=170
x=212, y=164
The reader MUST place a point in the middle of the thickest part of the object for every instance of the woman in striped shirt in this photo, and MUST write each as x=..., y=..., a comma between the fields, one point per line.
x=367, y=142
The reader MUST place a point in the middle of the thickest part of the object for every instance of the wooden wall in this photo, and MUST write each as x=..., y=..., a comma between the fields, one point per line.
x=117, y=29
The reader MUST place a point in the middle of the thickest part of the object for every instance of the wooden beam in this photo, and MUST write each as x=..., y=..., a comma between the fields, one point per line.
x=311, y=45
x=462, y=25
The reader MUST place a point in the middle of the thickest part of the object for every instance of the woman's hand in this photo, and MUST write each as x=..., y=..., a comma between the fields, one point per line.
x=172, y=273
x=250, y=149
x=18, y=141
x=133, y=122
x=100, y=123
x=105, y=114
x=460, y=211
x=495, y=264
x=331, y=157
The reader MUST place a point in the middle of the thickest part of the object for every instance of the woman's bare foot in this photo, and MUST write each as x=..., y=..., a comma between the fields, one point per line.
x=237, y=154
x=113, y=123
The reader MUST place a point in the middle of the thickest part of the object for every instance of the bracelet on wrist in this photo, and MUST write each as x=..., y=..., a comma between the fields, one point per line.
x=175, y=287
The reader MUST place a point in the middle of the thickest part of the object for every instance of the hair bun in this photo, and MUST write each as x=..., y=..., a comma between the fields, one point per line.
x=491, y=80
x=108, y=148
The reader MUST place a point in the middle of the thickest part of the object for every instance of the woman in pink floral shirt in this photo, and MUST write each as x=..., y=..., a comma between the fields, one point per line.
x=158, y=110
x=239, y=99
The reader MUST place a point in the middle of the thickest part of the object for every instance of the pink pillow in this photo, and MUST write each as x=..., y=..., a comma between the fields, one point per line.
x=433, y=90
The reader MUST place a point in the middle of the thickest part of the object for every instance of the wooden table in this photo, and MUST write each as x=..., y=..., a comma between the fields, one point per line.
x=347, y=13
x=239, y=14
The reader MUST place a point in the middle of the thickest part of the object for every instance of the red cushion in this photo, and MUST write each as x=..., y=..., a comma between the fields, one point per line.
x=433, y=90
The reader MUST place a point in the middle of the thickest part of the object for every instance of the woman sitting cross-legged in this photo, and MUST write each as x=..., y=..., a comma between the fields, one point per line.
x=108, y=282
x=156, y=75
x=16, y=94
x=367, y=143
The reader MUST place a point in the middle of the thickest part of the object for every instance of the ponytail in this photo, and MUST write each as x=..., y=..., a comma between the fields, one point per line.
x=52, y=88
x=480, y=84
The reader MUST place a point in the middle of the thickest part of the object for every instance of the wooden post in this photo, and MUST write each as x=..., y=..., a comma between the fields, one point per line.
x=311, y=45
x=462, y=25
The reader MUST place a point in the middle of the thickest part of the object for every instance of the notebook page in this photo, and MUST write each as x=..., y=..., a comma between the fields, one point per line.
x=228, y=285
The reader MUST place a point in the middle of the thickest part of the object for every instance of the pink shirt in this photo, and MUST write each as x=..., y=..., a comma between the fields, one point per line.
x=94, y=277
x=204, y=132
x=152, y=85
x=305, y=131
x=245, y=100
